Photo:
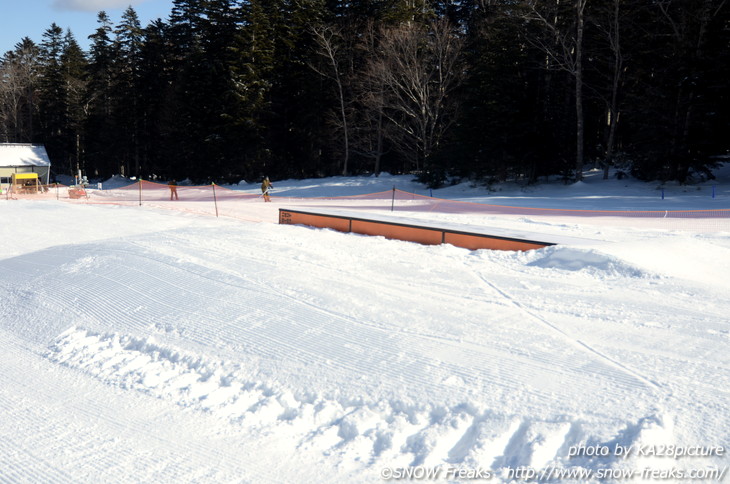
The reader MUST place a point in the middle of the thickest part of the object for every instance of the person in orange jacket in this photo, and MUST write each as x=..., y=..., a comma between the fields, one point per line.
x=265, y=187
x=173, y=189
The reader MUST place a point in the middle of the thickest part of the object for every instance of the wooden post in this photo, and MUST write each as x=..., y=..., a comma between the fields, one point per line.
x=215, y=200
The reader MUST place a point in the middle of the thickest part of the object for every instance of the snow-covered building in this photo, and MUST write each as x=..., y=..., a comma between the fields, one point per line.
x=20, y=158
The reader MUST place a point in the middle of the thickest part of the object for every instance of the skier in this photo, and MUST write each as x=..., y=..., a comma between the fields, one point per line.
x=265, y=187
x=173, y=189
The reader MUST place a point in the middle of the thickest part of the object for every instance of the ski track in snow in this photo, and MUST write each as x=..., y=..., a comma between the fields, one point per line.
x=575, y=342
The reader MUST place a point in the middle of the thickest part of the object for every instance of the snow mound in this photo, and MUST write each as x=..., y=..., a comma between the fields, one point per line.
x=589, y=261
x=356, y=435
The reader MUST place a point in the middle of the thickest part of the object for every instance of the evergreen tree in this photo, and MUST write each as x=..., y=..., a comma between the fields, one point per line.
x=296, y=121
x=221, y=136
x=397, y=12
x=52, y=107
x=182, y=115
x=125, y=98
x=74, y=66
x=185, y=20
x=675, y=58
x=155, y=76
x=252, y=67
x=297, y=94
x=501, y=133
x=100, y=135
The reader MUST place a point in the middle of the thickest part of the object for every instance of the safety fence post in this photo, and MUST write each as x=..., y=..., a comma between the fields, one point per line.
x=215, y=200
x=140, y=192
x=58, y=190
x=713, y=191
x=392, y=202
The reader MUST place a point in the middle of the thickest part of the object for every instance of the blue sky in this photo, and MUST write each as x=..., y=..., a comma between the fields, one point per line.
x=30, y=18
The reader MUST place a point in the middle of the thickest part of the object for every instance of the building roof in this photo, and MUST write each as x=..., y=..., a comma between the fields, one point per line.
x=17, y=154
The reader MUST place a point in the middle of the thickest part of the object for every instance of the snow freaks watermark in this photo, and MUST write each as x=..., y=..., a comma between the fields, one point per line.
x=422, y=473
x=668, y=455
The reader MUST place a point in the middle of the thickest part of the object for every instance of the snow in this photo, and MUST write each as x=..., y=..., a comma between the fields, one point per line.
x=143, y=344
x=15, y=154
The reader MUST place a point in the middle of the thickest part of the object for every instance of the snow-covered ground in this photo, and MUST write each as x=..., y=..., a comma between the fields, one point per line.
x=142, y=344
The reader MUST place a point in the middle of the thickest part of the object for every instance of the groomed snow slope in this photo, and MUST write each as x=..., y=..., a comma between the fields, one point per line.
x=142, y=345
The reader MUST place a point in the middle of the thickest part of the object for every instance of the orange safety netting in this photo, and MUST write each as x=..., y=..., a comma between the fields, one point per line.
x=55, y=191
x=696, y=220
x=220, y=201
x=454, y=206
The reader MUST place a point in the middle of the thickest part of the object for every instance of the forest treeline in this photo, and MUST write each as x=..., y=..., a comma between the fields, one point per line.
x=230, y=90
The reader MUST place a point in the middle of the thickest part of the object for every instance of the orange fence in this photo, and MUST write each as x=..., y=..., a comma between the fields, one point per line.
x=220, y=201
x=54, y=191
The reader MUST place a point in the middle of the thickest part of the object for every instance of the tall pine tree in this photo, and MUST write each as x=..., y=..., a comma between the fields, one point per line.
x=52, y=107
x=74, y=69
x=126, y=108
x=100, y=129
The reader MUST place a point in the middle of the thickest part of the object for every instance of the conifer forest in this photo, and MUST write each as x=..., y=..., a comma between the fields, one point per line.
x=229, y=90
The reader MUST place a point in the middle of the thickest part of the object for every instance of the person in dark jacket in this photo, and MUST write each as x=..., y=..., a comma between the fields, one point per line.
x=265, y=187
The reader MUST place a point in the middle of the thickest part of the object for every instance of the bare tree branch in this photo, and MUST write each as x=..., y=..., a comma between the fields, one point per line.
x=327, y=41
x=420, y=70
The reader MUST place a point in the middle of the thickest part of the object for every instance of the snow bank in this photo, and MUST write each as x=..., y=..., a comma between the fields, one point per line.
x=589, y=261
